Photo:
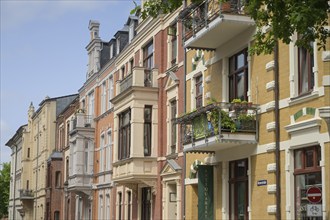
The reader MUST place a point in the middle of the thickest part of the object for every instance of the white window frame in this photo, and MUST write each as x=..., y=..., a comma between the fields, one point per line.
x=294, y=72
x=103, y=97
x=109, y=150
x=91, y=104
x=101, y=159
x=111, y=89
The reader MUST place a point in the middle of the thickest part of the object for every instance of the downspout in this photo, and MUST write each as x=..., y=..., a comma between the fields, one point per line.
x=184, y=109
x=184, y=153
x=35, y=199
x=277, y=132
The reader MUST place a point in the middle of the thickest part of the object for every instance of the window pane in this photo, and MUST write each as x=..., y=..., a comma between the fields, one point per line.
x=240, y=60
x=309, y=158
x=297, y=159
x=240, y=86
x=303, y=182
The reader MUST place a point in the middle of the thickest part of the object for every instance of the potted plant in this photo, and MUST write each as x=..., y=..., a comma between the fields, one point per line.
x=247, y=121
x=236, y=103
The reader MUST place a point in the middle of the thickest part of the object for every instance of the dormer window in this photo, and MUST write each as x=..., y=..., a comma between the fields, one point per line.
x=118, y=45
x=131, y=32
x=111, y=51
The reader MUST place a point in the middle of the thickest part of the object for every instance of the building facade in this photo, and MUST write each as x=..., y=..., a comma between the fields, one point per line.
x=177, y=120
x=15, y=193
x=237, y=165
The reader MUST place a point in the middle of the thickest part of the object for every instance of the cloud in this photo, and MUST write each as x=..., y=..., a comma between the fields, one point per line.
x=15, y=13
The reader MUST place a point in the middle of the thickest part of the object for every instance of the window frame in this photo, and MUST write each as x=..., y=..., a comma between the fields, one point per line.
x=124, y=148
x=173, y=113
x=148, y=61
x=307, y=59
x=147, y=131
x=198, y=93
x=233, y=75
x=233, y=180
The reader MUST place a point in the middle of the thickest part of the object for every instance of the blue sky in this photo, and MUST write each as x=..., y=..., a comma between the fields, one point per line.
x=43, y=52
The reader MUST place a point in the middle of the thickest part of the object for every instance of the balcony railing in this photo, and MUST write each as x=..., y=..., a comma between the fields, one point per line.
x=140, y=76
x=216, y=119
x=196, y=17
x=26, y=194
x=82, y=120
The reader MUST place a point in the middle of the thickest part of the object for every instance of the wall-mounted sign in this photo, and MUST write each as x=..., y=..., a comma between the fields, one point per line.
x=262, y=183
x=314, y=194
x=205, y=192
x=314, y=210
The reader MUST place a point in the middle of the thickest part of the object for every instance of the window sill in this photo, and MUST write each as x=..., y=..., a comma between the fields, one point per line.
x=303, y=98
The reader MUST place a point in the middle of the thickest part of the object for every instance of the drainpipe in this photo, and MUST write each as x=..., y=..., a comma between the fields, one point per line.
x=277, y=133
x=35, y=199
x=184, y=109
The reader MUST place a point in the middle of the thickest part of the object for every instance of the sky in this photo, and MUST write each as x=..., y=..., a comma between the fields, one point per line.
x=43, y=52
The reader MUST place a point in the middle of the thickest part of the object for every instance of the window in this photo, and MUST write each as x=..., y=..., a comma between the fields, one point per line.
x=307, y=173
x=107, y=207
x=86, y=156
x=103, y=97
x=238, y=189
x=120, y=200
x=173, y=126
x=109, y=150
x=147, y=130
x=67, y=168
x=111, y=51
x=124, y=135
x=118, y=45
x=67, y=133
x=148, y=56
x=199, y=91
x=131, y=32
x=101, y=169
x=100, y=214
x=238, y=76
x=131, y=65
x=57, y=215
x=91, y=104
x=58, y=179
x=49, y=175
x=146, y=203
x=174, y=45
x=28, y=152
x=110, y=91
x=27, y=184
x=129, y=205
x=122, y=72
x=305, y=70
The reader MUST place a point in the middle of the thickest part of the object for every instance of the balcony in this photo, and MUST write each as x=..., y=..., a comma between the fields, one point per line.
x=219, y=126
x=135, y=170
x=140, y=77
x=26, y=194
x=212, y=23
x=82, y=121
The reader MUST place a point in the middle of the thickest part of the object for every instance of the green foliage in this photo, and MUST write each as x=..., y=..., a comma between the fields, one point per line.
x=278, y=21
x=4, y=189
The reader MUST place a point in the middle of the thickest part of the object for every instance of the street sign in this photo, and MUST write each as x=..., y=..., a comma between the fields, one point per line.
x=314, y=194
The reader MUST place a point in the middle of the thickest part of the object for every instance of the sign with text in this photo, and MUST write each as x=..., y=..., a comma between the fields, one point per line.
x=262, y=183
x=205, y=192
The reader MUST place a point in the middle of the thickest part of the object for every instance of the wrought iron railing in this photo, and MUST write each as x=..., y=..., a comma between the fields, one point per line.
x=201, y=15
x=26, y=194
x=217, y=118
x=126, y=83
